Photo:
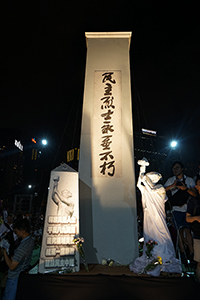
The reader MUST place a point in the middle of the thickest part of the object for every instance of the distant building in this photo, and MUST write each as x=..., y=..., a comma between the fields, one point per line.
x=32, y=165
x=11, y=163
x=73, y=158
x=160, y=155
x=148, y=144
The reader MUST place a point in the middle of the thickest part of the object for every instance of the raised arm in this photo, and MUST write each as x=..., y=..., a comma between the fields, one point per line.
x=54, y=196
x=143, y=164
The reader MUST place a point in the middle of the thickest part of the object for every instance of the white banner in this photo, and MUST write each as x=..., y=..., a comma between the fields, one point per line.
x=106, y=129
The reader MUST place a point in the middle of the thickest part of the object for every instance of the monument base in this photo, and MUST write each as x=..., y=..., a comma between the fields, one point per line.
x=103, y=282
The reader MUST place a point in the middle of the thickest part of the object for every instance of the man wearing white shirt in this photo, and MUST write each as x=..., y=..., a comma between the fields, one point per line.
x=181, y=188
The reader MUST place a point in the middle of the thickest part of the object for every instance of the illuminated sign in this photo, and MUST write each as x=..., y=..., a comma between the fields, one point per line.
x=72, y=154
x=34, y=154
x=33, y=140
x=106, y=154
x=18, y=145
x=149, y=132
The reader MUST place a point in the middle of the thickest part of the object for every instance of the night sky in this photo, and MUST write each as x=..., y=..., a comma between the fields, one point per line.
x=43, y=56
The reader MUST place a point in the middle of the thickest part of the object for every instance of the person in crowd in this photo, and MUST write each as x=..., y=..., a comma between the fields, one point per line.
x=193, y=217
x=8, y=243
x=181, y=187
x=5, y=214
x=197, y=174
x=7, y=226
x=21, y=259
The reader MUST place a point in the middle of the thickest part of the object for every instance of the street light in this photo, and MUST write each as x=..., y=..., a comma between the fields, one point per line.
x=173, y=144
x=175, y=150
x=44, y=142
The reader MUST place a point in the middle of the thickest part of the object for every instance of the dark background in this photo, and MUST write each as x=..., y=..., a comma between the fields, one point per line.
x=43, y=56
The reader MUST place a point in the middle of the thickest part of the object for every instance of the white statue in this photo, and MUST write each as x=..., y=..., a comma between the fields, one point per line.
x=154, y=224
x=61, y=199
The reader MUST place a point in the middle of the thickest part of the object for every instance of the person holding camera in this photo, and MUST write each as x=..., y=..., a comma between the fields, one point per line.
x=21, y=259
x=180, y=187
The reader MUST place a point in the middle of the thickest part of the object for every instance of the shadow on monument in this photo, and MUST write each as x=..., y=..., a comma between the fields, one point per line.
x=86, y=222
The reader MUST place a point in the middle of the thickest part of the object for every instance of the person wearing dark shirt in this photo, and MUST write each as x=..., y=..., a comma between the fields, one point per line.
x=181, y=187
x=193, y=215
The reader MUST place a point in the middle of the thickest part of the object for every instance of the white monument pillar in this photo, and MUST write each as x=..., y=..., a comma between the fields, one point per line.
x=58, y=251
x=108, y=216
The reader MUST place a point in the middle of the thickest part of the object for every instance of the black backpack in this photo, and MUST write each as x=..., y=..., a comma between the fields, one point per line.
x=180, y=197
x=195, y=226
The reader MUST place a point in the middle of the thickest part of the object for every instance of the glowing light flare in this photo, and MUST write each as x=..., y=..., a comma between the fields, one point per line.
x=173, y=144
x=44, y=142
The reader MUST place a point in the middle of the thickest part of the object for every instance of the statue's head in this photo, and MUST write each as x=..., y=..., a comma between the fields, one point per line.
x=154, y=176
x=66, y=193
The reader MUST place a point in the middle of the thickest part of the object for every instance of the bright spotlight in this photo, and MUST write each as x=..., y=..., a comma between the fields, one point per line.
x=173, y=144
x=44, y=142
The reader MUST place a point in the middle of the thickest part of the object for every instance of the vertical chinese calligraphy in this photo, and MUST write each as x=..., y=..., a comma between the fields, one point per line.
x=107, y=104
x=107, y=124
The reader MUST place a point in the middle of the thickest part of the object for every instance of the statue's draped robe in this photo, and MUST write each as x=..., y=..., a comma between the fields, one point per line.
x=155, y=228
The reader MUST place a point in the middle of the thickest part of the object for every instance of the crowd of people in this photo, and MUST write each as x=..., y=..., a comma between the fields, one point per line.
x=183, y=215
x=184, y=202
x=19, y=235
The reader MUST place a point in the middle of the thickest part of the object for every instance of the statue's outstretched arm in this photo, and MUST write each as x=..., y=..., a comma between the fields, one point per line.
x=55, y=198
x=143, y=164
x=55, y=188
